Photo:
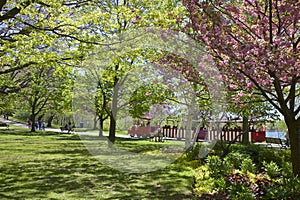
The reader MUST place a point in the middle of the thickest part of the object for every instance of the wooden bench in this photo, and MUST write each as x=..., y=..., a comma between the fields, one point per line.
x=3, y=124
x=68, y=129
x=277, y=141
x=157, y=137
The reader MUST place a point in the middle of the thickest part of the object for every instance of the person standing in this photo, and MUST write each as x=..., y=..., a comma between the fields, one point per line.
x=29, y=124
x=43, y=125
x=262, y=128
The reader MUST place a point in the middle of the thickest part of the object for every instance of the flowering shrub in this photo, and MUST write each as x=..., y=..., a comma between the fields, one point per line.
x=239, y=186
x=243, y=176
x=260, y=187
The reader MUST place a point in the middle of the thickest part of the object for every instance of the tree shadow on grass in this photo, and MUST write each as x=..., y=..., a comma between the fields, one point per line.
x=21, y=132
x=74, y=178
x=59, y=168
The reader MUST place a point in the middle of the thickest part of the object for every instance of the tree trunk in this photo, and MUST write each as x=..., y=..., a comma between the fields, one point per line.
x=112, y=129
x=113, y=114
x=294, y=134
x=32, y=118
x=188, y=129
x=95, y=122
x=33, y=123
x=49, y=121
x=101, y=124
x=245, y=129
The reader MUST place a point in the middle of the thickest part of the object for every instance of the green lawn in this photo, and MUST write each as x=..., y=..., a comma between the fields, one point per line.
x=47, y=165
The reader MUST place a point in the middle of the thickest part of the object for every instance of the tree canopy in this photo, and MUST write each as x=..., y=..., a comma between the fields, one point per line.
x=256, y=47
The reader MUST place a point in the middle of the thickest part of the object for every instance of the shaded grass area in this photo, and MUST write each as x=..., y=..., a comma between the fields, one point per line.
x=46, y=165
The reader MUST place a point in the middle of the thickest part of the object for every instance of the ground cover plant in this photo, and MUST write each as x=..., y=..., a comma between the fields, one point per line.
x=247, y=172
x=47, y=165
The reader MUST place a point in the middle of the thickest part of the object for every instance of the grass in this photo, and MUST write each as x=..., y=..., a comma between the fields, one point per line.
x=47, y=165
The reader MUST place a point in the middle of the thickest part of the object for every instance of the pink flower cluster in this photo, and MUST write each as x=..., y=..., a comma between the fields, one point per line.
x=247, y=44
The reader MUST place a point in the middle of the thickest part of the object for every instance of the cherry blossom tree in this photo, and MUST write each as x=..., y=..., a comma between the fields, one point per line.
x=256, y=46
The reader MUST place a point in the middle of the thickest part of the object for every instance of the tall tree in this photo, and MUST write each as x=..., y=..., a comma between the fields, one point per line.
x=113, y=20
x=48, y=86
x=256, y=45
x=38, y=32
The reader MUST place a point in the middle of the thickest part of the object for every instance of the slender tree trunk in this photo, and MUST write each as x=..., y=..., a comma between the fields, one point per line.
x=191, y=111
x=112, y=129
x=188, y=128
x=32, y=116
x=113, y=115
x=294, y=134
x=101, y=124
x=49, y=121
x=33, y=123
x=245, y=130
x=95, y=122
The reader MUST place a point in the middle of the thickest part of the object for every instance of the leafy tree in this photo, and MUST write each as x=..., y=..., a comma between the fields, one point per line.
x=94, y=89
x=38, y=33
x=147, y=95
x=115, y=19
x=48, y=85
x=256, y=46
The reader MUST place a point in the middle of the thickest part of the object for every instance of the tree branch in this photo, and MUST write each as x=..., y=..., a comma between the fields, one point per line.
x=17, y=68
x=2, y=3
x=16, y=10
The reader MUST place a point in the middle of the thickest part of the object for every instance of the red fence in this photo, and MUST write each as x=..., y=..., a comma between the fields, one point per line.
x=229, y=135
x=180, y=133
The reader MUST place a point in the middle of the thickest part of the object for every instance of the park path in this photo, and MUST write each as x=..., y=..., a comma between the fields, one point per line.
x=93, y=133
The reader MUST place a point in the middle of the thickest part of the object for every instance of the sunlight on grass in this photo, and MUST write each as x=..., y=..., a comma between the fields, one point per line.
x=133, y=156
x=47, y=165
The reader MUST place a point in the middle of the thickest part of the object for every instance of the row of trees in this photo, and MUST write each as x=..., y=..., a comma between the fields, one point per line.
x=46, y=44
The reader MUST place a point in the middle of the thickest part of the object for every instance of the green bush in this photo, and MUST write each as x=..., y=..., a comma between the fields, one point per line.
x=272, y=155
x=235, y=159
x=287, y=169
x=204, y=183
x=284, y=188
x=271, y=169
x=220, y=184
x=218, y=148
x=239, y=187
x=217, y=167
x=292, y=186
x=244, y=194
x=258, y=154
x=248, y=166
x=193, y=152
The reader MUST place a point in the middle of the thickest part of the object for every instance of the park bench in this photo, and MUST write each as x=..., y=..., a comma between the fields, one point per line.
x=68, y=129
x=276, y=141
x=157, y=136
x=3, y=124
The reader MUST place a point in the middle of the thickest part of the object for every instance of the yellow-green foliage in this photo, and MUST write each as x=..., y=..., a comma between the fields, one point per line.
x=204, y=183
x=183, y=159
